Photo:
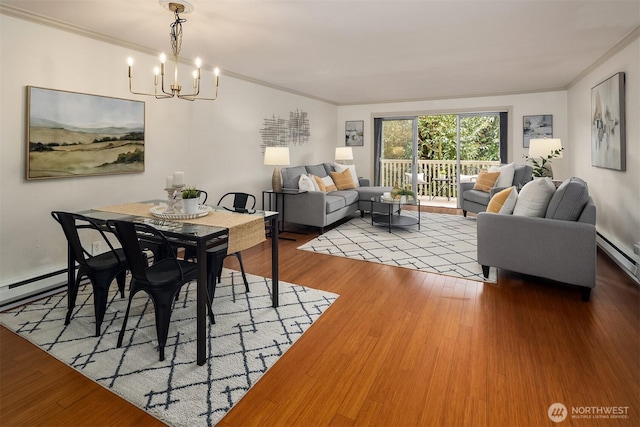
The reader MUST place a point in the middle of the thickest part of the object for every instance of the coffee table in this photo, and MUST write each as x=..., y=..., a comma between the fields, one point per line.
x=393, y=217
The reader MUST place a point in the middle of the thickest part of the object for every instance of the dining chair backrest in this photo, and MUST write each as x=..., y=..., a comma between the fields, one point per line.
x=130, y=233
x=240, y=202
x=71, y=223
x=202, y=195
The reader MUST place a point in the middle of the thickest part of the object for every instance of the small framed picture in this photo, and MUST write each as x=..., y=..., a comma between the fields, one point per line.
x=353, y=132
x=536, y=127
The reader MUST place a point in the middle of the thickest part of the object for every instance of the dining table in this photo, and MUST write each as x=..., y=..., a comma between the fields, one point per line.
x=241, y=230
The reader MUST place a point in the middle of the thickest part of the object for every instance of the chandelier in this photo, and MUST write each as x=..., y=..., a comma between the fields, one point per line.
x=176, y=43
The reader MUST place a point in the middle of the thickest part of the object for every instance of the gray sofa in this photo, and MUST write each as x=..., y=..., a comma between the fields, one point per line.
x=561, y=246
x=476, y=201
x=319, y=209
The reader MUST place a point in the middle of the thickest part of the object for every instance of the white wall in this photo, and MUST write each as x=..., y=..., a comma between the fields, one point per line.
x=616, y=193
x=554, y=103
x=217, y=144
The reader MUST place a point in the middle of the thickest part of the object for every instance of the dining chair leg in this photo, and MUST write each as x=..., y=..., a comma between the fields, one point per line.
x=124, y=322
x=244, y=276
x=120, y=279
x=73, y=295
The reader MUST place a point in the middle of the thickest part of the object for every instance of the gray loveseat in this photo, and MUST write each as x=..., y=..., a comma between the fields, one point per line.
x=561, y=246
x=476, y=201
x=319, y=209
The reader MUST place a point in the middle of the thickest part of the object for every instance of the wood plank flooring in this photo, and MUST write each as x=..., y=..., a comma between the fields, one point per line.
x=398, y=348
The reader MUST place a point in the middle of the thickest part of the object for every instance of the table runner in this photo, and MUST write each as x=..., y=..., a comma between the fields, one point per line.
x=245, y=230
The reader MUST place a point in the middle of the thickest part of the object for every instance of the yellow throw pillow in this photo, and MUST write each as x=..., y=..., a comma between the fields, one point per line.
x=343, y=180
x=325, y=184
x=502, y=200
x=486, y=180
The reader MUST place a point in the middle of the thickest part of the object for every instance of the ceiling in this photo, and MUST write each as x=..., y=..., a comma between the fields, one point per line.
x=367, y=51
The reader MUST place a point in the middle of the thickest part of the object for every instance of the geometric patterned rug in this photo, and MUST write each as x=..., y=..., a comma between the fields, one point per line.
x=248, y=338
x=445, y=244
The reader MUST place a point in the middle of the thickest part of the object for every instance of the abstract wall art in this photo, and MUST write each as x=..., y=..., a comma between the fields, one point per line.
x=608, y=133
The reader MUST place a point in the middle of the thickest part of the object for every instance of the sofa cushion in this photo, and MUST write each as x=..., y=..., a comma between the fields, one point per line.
x=505, y=179
x=503, y=201
x=334, y=202
x=317, y=170
x=477, y=196
x=343, y=180
x=349, y=196
x=486, y=180
x=534, y=198
x=291, y=176
x=340, y=168
x=366, y=193
x=325, y=184
x=569, y=200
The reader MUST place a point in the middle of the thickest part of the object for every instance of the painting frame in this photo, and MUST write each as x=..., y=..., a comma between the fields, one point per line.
x=536, y=126
x=74, y=134
x=354, y=133
x=608, y=124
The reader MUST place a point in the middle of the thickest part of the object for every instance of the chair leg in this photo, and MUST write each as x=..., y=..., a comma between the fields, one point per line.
x=124, y=322
x=73, y=295
x=244, y=276
x=485, y=271
x=163, y=318
x=120, y=279
x=100, y=295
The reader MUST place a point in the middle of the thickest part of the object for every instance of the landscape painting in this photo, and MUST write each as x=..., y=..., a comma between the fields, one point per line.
x=608, y=138
x=74, y=134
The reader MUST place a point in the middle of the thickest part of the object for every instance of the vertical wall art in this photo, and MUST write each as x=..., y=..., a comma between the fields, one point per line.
x=535, y=127
x=354, y=133
x=608, y=133
x=74, y=134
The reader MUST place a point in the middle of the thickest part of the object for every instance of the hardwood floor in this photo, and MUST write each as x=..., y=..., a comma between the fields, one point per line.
x=398, y=347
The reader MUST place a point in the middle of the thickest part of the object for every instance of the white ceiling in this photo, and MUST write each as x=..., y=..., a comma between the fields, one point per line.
x=365, y=51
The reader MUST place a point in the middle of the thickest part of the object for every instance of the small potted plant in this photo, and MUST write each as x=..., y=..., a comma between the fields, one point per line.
x=190, y=199
x=403, y=194
x=542, y=165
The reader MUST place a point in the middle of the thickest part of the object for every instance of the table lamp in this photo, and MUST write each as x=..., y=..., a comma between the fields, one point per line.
x=344, y=153
x=276, y=156
x=541, y=151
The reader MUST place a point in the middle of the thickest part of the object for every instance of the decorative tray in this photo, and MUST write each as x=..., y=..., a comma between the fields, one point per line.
x=159, y=212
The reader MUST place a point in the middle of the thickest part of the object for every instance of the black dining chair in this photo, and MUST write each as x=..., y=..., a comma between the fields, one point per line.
x=101, y=269
x=161, y=280
x=242, y=203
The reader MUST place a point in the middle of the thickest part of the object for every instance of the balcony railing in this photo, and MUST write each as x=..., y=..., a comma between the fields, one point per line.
x=394, y=172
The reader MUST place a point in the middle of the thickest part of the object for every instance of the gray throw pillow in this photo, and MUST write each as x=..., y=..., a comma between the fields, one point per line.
x=569, y=200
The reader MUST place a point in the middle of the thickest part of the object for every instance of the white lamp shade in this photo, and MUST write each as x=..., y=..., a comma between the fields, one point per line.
x=276, y=156
x=544, y=147
x=344, y=153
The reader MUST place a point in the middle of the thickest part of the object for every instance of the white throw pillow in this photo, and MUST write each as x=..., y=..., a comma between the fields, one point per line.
x=352, y=168
x=534, y=198
x=506, y=175
x=510, y=202
x=307, y=184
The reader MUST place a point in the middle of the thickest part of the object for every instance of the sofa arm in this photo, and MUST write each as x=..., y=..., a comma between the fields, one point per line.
x=464, y=186
x=305, y=208
x=564, y=251
x=364, y=182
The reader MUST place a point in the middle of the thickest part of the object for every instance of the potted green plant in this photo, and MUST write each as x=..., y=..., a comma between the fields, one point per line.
x=190, y=199
x=403, y=194
x=542, y=165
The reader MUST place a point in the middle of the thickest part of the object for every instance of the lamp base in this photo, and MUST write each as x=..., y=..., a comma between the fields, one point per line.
x=276, y=180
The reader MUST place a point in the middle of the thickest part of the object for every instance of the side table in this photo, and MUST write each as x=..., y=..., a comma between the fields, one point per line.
x=272, y=194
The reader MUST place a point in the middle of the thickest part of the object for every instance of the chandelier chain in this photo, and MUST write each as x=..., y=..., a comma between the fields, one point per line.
x=176, y=34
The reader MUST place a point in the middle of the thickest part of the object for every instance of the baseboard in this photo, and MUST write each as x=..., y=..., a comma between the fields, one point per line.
x=31, y=289
x=625, y=261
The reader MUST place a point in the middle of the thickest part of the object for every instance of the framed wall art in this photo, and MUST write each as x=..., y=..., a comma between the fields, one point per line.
x=608, y=130
x=534, y=127
x=354, y=133
x=73, y=134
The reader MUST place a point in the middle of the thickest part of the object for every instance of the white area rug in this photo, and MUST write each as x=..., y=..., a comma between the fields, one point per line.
x=445, y=244
x=248, y=338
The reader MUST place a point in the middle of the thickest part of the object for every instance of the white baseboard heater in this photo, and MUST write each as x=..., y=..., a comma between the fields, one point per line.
x=625, y=261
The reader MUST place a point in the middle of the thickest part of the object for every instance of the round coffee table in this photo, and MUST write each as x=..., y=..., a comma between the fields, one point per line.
x=393, y=216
